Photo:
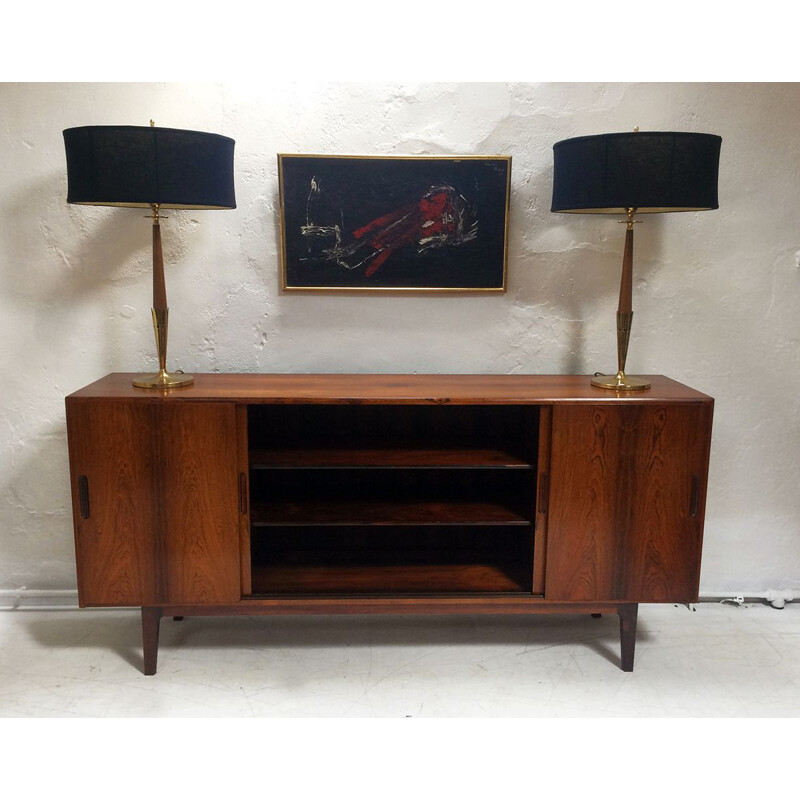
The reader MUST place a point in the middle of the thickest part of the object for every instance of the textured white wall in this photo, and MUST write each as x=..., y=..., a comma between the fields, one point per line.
x=716, y=293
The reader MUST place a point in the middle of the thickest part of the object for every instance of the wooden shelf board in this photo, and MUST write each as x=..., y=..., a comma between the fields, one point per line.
x=314, y=512
x=389, y=578
x=385, y=458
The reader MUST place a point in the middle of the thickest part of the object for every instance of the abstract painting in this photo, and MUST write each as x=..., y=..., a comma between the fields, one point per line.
x=406, y=223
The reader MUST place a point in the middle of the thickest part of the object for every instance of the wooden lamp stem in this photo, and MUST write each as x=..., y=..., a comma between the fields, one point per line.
x=162, y=379
x=621, y=381
x=625, y=307
x=159, y=282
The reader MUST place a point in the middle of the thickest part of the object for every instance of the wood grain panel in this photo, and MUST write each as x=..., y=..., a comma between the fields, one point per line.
x=199, y=502
x=621, y=525
x=115, y=545
x=663, y=548
x=395, y=389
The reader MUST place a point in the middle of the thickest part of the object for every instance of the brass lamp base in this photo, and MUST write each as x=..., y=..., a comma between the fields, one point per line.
x=621, y=382
x=163, y=380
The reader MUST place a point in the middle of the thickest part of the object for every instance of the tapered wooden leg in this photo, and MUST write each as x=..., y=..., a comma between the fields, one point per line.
x=628, y=615
x=151, y=619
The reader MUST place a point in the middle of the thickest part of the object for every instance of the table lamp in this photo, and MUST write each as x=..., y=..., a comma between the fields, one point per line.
x=155, y=168
x=634, y=173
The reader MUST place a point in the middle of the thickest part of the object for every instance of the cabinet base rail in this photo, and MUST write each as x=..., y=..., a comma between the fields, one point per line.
x=151, y=615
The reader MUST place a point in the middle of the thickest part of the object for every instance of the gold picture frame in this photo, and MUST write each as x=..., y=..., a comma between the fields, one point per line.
x=394, y=223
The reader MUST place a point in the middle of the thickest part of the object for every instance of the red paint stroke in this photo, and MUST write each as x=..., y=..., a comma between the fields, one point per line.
x=434, y=216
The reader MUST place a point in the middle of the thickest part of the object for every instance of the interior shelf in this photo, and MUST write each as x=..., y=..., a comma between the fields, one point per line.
x=389, y=578
x=427, y=559
x=387, y=456
x=392, y=498
x=394, y=512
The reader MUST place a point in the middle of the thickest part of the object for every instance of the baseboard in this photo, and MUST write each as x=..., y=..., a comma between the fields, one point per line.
x=67, y=599
x=42, y=599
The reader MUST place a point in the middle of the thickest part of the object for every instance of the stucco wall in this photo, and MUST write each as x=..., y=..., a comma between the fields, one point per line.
x=716, y=293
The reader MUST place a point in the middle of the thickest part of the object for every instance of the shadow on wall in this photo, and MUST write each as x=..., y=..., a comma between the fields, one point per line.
x=585, y=280
x=36, y=544
x=82, y=254
x=563, y=279
x=70, y=258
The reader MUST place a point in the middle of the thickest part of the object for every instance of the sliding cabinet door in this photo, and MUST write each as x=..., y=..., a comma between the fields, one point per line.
x=627, y=498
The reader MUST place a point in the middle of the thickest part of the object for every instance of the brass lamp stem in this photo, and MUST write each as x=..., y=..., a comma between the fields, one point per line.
x=621, y=381
x=162, y=379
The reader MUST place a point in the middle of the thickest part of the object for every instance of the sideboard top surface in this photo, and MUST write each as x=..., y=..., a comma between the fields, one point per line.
x=371, y=388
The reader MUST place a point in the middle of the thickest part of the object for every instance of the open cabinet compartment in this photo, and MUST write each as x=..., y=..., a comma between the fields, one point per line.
x=392, y=499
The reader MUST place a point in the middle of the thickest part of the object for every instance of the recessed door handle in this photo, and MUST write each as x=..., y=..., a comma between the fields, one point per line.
x=242, y=493
x=544, y=492
x=694, y=499
x=83, y=496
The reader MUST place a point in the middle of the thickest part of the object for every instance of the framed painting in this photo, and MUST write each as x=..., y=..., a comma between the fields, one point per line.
x=394, y=223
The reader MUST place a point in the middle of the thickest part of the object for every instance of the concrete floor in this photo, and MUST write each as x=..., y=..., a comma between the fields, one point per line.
x=706, y=661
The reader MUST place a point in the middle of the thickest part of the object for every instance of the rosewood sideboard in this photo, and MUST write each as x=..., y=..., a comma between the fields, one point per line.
x=395, y=494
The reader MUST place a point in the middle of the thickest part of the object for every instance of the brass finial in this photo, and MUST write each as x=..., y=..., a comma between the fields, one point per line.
x=156, y=216
x=629, y=220
x=153, y=124
x=635, y=130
